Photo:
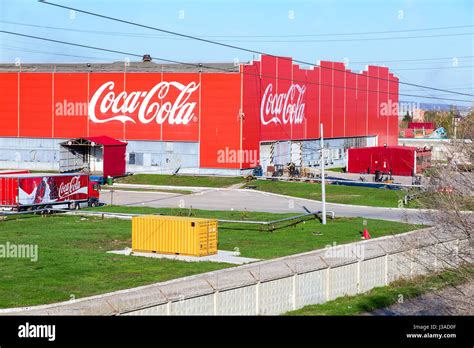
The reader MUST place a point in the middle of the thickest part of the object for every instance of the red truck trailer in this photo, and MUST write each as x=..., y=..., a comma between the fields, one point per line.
x=14, y=171
x=35, y=191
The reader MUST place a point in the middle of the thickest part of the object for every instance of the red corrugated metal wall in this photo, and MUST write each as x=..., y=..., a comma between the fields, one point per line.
x=70, y=92
x=327, y=97
x=347, y=103
x=220, y=124
x=9, y=104
x=251, y=97
x=276, y=100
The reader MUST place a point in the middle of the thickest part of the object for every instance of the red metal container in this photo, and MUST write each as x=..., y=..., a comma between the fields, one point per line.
x=19, y=191
x=397, y=160
x=421, y=125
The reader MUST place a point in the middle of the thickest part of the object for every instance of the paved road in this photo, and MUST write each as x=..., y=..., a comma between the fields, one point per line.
x=228, y=199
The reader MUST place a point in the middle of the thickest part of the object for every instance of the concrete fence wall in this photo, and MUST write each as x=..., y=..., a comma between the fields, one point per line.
x=280, y=285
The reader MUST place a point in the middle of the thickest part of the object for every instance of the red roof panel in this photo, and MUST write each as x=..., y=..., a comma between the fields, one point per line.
x=106, y=141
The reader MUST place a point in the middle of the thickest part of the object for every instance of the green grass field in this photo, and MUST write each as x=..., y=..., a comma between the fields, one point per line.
x=335, y=194
x=253, y=242
x=139, y=189
x=383, y=296
x=337, y=170
x=73, y=259
x=180, y=180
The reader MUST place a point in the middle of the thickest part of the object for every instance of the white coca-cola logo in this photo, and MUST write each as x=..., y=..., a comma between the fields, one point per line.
x=68, y=188
x=150, y=104
x=283, y=107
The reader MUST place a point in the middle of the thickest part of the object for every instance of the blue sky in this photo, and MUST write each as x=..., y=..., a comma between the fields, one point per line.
x=239, y=22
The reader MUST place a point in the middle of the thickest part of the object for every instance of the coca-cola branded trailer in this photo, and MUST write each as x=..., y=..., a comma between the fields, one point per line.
x=192, y=118
x=34, y=191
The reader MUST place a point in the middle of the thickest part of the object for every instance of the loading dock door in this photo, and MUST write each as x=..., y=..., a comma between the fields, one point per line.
x=96, y=161
x=296, y=153
x=282, y=153
x=265, y=156
x=71, y=159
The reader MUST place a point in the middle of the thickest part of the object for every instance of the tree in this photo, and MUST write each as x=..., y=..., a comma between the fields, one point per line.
x=448, y=201
x=407, y=117
x=465, y=127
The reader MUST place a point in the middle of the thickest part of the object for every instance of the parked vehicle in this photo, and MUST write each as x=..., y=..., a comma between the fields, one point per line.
x=37, y=191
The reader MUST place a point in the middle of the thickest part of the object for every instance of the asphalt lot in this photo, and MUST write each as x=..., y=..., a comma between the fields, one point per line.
x=242, y=199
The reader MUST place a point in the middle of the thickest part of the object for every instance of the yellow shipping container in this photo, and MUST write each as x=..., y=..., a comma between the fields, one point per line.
x=174, y=235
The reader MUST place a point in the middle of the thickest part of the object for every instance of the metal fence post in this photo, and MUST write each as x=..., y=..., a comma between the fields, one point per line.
x=358, y=276
x=257, y=298
x=257, y=293
x=386, y=264
x=216, y=293
x=294, y=290
x=328, y=278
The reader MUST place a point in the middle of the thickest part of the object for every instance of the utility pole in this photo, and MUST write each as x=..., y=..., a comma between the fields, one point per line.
x=323, y=180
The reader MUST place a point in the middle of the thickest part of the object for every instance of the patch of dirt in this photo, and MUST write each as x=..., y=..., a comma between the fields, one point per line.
x=451, y=300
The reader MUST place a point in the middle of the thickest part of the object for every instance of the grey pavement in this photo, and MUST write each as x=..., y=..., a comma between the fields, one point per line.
x=223, y=256
x=251, y=200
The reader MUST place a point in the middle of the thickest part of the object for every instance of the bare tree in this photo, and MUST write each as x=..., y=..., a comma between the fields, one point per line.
x=447, y=202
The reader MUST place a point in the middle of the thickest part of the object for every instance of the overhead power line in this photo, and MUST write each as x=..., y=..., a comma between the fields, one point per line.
x=23, y=49
x=350, y=40
x=92, y=47
x=437, y=67
x=235, y=47
x=408, y=60
x=374, y=61
x=125, y=34
x=213, y=67
x=102, y=32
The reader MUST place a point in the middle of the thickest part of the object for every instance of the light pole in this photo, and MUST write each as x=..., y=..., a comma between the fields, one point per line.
x=323, y=181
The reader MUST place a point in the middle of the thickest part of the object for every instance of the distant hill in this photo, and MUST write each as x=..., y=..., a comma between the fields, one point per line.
x=436, y=106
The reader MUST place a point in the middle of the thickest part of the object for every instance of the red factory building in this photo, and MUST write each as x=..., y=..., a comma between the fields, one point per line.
x=224, y=119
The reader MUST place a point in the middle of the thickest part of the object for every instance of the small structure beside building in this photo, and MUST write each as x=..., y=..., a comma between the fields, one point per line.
x=394, y=160
x=98, y=156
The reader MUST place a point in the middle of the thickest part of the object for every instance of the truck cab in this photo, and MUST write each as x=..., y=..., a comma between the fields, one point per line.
x=94, y=192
